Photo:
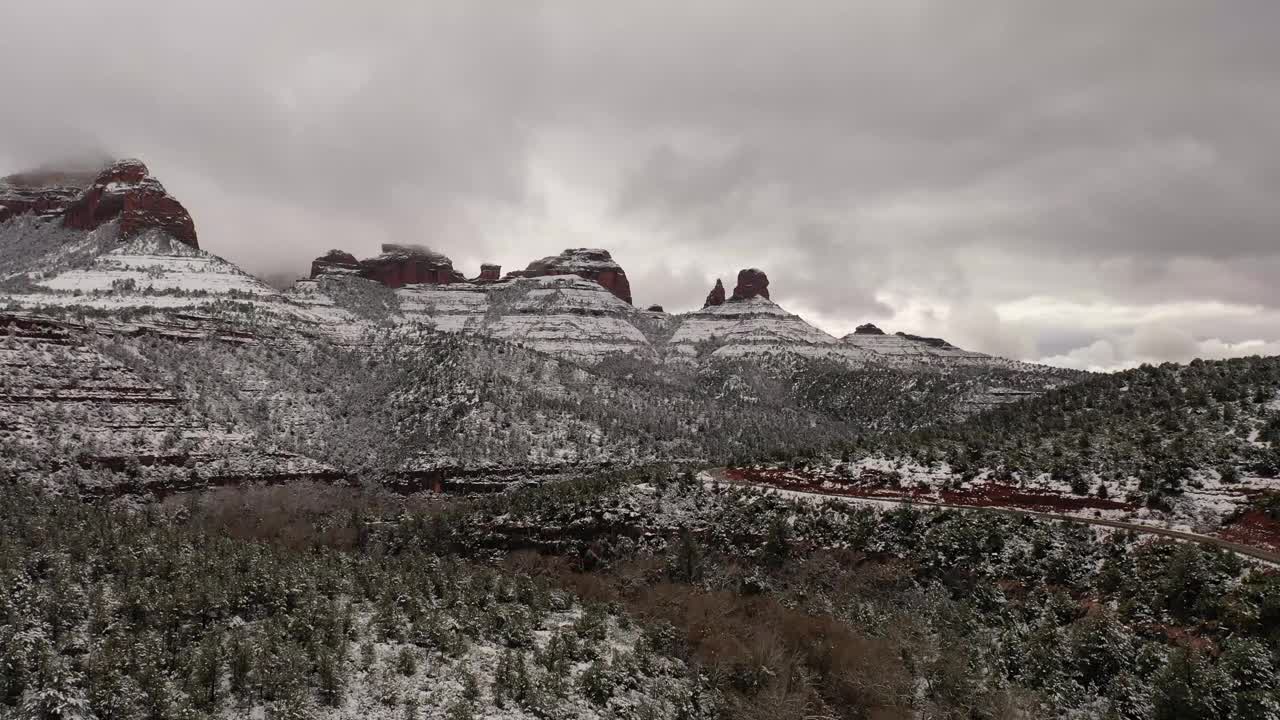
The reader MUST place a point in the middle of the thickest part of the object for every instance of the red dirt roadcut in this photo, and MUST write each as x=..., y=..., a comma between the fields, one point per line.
x=1256, y=528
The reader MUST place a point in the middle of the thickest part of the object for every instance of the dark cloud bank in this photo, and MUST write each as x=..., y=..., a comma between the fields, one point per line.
x=1091, y=184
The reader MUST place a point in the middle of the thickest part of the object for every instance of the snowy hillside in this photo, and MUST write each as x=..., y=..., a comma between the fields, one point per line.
x=750, y=327
x=399, y=369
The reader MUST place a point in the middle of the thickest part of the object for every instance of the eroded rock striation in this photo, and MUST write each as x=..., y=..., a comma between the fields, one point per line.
x=588, y=263
x=397, y=266
x=124, y=190
x=335, y=261
x=401, y=265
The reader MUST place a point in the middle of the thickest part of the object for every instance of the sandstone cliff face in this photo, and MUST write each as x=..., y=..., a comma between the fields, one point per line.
x=489, y=273
x=588, y=263
x=401, y=265
x=335, y=261
x=751, y=283
x=397, y=266
x=123, y=191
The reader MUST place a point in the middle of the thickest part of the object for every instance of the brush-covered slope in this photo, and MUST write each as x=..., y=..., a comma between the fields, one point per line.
x=78, y=412
x=1196, y=446
x=1163, y=423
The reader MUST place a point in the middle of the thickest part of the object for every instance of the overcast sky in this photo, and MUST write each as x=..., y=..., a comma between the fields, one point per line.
x=1093, y=184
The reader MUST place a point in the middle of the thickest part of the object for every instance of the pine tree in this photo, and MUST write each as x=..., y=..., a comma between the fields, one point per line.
x=1190, y=688
x=1100, y=647
x=330, y=676
x=687, y=564
x=206, y=671
x=777, y=546
x=1252, y=674
x=240, y=663
x=55, y=692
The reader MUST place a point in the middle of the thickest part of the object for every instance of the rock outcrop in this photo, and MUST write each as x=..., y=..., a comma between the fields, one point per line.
x=401, y=265
x=751, y=283
x=43, y=193
x=748, y=326
x=930, y=341
x=562, y=315
x=588, y=263
x=397, y=266
x=335, y=261
x=489, y=273
x=906, y=350
x=716, y=296
x=124, y=190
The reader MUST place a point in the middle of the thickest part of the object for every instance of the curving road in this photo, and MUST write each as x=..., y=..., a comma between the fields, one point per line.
x=720, y=474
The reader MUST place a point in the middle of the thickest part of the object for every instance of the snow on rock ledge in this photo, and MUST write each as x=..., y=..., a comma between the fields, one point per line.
x=588, y=263
x=562, y=315
x=750, y=326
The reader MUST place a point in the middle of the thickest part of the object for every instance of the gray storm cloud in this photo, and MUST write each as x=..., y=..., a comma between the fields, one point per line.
x=942, y=167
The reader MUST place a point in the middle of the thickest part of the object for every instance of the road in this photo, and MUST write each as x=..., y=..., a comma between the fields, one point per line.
x=720, y=474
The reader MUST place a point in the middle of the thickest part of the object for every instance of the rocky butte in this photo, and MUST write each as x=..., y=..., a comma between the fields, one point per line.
x=401, y=265
x=751, y=283
x=397, y=266
x=587, y=263
x=123, y=190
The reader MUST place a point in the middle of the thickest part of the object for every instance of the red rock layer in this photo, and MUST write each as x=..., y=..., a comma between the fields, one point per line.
x=397, y=266
x=751, y=283
x=716, y=296
x=401, y=265
x=124, y=190
x=586, y=263
x=411, y=272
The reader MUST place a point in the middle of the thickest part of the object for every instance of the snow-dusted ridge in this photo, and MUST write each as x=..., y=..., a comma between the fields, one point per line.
x=749, y=327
